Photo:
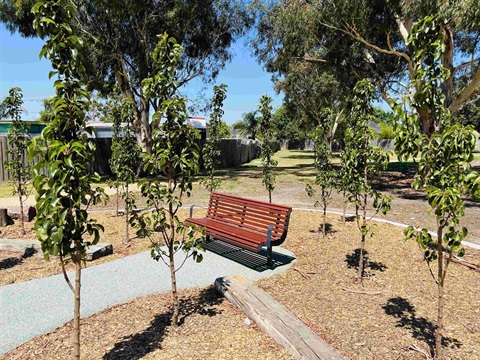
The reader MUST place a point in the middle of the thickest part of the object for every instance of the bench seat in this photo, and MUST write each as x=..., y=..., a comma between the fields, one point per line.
x=248, y=224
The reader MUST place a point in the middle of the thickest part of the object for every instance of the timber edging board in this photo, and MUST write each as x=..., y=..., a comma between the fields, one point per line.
x=273, y=318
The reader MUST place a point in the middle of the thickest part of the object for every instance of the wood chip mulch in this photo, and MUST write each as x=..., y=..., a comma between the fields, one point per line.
x=391, y=315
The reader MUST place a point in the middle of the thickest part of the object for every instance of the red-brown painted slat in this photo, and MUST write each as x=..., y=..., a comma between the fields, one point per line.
x=251, y=213
x=252, y=202
x=244, y=222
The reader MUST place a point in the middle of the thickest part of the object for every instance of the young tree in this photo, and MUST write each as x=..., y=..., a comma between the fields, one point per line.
x=266, y=130
x=444, y=168
x=19, y=140
x=114, y=116
x=125, y=157
x=361, y=161
x=64, y=194
x=174, y=155
x=211, y=152
x=326, y=178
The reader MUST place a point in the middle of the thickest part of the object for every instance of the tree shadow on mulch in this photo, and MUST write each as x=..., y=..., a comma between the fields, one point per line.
x=11, y=262
x=421, y=328
x=328, y=228
x=136, y=346
x=353, y=261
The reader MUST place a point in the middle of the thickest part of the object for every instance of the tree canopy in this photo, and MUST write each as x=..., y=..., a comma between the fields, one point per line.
x=121, y=35
x=360, y=39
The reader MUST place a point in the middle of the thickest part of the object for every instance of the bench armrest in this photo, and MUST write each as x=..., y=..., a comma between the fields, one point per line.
x=191, y=210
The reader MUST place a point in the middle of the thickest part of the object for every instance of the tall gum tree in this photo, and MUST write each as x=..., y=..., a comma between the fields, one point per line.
x=120, y=37
x=368, y=39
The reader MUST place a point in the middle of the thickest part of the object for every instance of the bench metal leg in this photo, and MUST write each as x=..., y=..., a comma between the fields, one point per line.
x=269, y=247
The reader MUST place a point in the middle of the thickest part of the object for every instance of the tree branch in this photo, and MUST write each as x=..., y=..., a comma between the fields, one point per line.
x=65, y=275
x=466, y=93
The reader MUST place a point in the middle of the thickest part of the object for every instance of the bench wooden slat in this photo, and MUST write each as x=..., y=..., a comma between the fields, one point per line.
x=252, y=213
x=245, y=238
x=252, y=204
x=276, y=235
x=240, y=200
x=268, y=216
x=254, y=222
x=245, y=222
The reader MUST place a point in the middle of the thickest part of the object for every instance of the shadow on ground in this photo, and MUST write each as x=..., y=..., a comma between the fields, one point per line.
x=254, y=261
x=138, y=345
x=11, y=262
x=421, y=328
x=328, y=228
x=353, y=261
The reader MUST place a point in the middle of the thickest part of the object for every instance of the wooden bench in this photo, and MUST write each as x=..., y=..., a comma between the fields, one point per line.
x=248, y=224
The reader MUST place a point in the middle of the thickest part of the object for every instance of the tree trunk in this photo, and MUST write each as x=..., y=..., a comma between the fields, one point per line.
x=3, y=217
x=447, y=62
x=118, y=201
x=361, y=262
x=171, y=253
x=440, y=282
x=20, y=200
x=344, y=206
x=324, y=216
x=270, y=196
x=76, y=295
x=176, y=306
x=126, y=213
x=141, y=123
x=145, y=130
x=333, y=130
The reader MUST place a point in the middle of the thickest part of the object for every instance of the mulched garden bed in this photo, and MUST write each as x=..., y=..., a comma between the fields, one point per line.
x=17, y=267
x=391, y=315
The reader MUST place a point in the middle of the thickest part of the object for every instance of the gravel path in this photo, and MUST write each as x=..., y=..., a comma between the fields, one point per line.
x=33, y=308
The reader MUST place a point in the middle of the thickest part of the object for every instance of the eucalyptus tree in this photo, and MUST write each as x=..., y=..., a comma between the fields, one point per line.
x=315, y=97
x=288, y=127
x=19, y=140
x=266, y=130
x=211, y=151
x=360, y=162
x=121, y=35
x=368, y=39
x=64, y=193
x=444, y=166
x=125, y=156
x=175, y=156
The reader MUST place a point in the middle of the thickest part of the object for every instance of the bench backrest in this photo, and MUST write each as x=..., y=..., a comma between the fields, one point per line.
x=249, y=214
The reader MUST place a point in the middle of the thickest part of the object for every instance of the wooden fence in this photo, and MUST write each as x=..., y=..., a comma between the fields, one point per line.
x=234, y=152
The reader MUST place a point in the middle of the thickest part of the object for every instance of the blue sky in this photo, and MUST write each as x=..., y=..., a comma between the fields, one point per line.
x=21, y=67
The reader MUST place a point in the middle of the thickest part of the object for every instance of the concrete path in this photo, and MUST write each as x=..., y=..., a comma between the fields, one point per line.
x=35, y=307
